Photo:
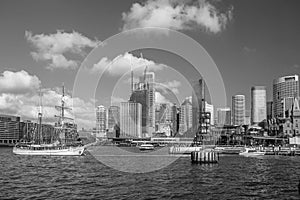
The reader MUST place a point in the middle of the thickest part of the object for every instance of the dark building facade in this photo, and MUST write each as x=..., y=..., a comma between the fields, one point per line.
x=9, y=129
x=142, y=96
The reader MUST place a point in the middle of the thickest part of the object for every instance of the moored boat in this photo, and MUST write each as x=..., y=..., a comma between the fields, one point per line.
x=144, y=147
x=251, y=152
x=64, y=147
x=48, y=150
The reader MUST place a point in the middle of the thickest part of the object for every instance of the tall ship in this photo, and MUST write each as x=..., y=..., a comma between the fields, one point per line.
x=65, y=129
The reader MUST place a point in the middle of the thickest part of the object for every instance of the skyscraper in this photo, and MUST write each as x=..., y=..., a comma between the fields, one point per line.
x=258, y=104
x=113, y=117
x=131, y=120
x=186, y=116
x=270, y=110
x=238, y=109
x=101, y=121
x=141, y=95
x=284, y=87
x=224, y=116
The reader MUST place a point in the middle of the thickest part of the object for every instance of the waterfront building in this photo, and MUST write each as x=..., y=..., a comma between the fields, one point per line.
x=174, y=120
x=113, y=117
x=141, y=95
x=238, y=110
x=283, y=87
x=9, y=129
x=131, y=120
x=258, y=104
x=247, y=117
x=148, y=78
x=291, y=127
x=210, y=109
x=186, y=116
x=270, y=113
x=223, y=116
x=101, y=121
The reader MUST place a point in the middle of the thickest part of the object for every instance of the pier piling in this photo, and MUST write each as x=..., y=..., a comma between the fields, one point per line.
x=204, y=157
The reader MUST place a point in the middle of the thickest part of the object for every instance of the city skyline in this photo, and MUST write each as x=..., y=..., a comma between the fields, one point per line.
x=46, y=50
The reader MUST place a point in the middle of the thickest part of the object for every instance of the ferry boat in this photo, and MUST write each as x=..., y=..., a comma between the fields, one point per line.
x=144, y=147
x=57, y=148
x=251, y=152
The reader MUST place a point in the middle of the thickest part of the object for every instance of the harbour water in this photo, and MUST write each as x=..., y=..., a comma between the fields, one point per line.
x=234, y=177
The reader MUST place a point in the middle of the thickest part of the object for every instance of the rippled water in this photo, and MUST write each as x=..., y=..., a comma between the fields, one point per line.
x=43, y=177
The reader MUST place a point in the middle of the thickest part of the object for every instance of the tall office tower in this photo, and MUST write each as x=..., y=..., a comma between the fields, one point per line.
x=238, y=109
x=130, y=120
x=186, y=116
x=258, y=104
x=224, y=116
x=174, y=112
x=147, y=81
x=269, y=110
x=101, y=117
x=141, y=96
x=113, y=117
x=210, y=108
x=9, y=129
x=284, y=87
x=247, y=117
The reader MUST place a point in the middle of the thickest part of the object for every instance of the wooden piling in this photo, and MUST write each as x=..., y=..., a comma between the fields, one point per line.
x=204, y=157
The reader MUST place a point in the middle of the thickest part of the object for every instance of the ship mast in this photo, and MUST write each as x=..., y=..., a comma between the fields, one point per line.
x=40, y=119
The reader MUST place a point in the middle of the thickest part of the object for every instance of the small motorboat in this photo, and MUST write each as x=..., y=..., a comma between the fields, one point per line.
x=251, y=152
x=145, y=147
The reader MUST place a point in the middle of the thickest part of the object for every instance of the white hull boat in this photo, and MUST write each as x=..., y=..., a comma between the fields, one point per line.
x=145, y=147
x=49, y=151
x=251, y=152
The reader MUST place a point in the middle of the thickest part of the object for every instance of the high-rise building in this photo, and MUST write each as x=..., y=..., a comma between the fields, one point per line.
x=284, y=87
x=9, y=129
x=147, y=82
x=224, y=116
x=113, y=117
x=101, y=121
x=131, y=120
x=186, y=116
x=210, y=108
x=258, y=104
x=238, y=109
x=141, y=96
x=270, y=110
x=174, y=120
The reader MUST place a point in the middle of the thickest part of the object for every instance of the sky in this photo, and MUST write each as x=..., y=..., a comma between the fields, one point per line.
x=44, y=44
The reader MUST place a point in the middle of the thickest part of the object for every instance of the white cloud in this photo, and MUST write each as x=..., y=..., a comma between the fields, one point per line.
x=166, y=87
x=178, y=15
x=19, y=95
x=18, y=82
x=123, y=63
x=159, y=98
x=54, y=47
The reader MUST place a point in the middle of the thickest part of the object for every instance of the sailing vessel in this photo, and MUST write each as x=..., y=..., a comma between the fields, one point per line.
x=66, y=130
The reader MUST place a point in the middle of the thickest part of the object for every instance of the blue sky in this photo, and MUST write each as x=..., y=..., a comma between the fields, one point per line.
x=251, y=42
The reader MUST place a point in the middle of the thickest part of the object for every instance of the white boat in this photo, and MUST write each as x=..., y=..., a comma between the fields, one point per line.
x=251, y=152
x=42, y=150
x=55, y=149
x=144, y=147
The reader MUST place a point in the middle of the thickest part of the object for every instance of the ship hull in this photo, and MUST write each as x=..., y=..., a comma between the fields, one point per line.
x=71, y=151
